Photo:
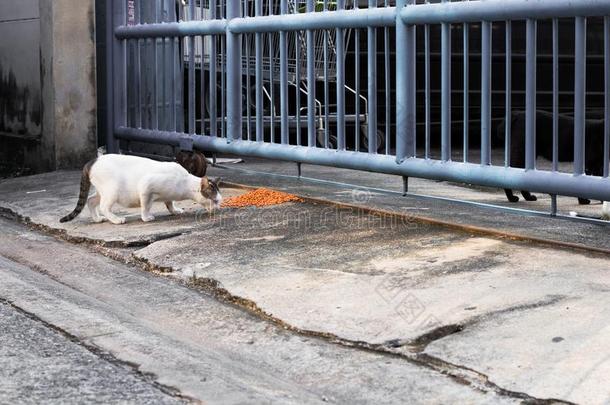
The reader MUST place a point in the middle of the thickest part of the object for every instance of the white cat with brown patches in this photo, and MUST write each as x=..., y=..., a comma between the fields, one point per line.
x=132, y=181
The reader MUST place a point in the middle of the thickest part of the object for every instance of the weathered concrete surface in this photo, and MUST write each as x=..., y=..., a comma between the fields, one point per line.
x=41, y=365
x=389, y=284
x=387, y=197
x=560, y=350
x=44, y=198
x=205, y=349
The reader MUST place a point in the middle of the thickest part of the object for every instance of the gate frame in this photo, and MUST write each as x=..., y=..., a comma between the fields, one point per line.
x=405, y=16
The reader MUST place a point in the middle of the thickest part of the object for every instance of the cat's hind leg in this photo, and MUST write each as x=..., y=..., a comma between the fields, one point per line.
x=146, y=205
x=106, y=205
x=528, y=196
x=171, y=207
x=509, y=194
x=93, y=204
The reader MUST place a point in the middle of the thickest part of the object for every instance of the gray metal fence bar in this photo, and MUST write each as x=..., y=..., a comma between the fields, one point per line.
x=477, y=11
x=508, y=101
x=405, y=87
x=606, y=95
x=555, y=94
x=191, y=74
x=340, y=84
x=466, y=85
x=372, y=84
x=311, y=84
x=486, y=93
x=530, y=95
x=283, y=77
x=213, y=75
x=491, y=176
x=258, y=43
x=388, y=102
x=427, y=89
x=174, y=29
x=580, y=54
x=445, y=91
x=356, y=18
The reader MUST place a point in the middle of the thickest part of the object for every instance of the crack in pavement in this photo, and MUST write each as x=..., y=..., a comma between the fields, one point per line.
x=134, y=368
x=458, y=373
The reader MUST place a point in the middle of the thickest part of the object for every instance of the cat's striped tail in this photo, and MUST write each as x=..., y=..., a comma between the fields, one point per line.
x=85, y=185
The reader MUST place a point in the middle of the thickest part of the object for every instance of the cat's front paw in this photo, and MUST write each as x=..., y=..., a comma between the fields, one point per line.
x=148, y=218
x=178, y=211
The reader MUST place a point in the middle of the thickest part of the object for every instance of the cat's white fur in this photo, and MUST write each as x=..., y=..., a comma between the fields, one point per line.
x=132, y=181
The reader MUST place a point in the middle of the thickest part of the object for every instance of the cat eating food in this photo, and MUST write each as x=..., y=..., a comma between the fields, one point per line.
x=133, y=181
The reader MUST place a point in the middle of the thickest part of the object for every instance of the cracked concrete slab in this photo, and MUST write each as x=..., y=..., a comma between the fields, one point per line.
x=205, y=349
x=395, y=282
x=559, y=350
x=43, y=199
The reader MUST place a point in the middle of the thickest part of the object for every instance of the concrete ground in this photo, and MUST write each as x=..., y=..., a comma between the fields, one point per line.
x=314, y=302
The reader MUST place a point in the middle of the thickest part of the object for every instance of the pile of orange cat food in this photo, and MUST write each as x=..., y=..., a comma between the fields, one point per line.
x=259, y=198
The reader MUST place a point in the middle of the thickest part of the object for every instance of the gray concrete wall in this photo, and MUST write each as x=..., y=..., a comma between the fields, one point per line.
x=50, y=47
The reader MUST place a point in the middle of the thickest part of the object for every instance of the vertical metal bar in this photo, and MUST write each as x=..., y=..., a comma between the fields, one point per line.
x=117, y=70
x=372, y=83
x=223, y=87
x=427, y=89
x=530, y=95
x=466, y=106
x=486, y=93
x=340, y=44
x=233, y=80
x=555, y=94
x=284, y=77
x=606, y=94
x=405, y=86
x=357, y=87
x=297, y=39
x=111, y=144
x=155, y=98
x=580, y=48
x=248, y=40
x=191, y=73
x=311, y=84
x=508, y=93
x=326, y=98
x=258, y=43
x=172, y=113
x=213, y=76
x=202, y=76
x=138, y=71
x=445, y=91
x=164, y=84
x=388, y=94
x=271, y=74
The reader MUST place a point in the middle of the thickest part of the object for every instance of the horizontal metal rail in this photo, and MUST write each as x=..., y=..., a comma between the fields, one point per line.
x=174, y=29
x=477, y=11
x=359, y=18
x=492, y=176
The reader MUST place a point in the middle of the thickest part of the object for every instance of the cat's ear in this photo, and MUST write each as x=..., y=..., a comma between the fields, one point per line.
x=204, y=183
x=217, y=180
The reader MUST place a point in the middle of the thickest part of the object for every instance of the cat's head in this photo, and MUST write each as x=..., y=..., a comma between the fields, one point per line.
x=209, y=190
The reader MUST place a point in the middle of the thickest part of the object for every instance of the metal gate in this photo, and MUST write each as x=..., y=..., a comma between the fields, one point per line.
x=252, y=88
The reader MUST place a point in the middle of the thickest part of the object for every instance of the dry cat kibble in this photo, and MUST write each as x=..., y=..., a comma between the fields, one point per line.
x=259, y=198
